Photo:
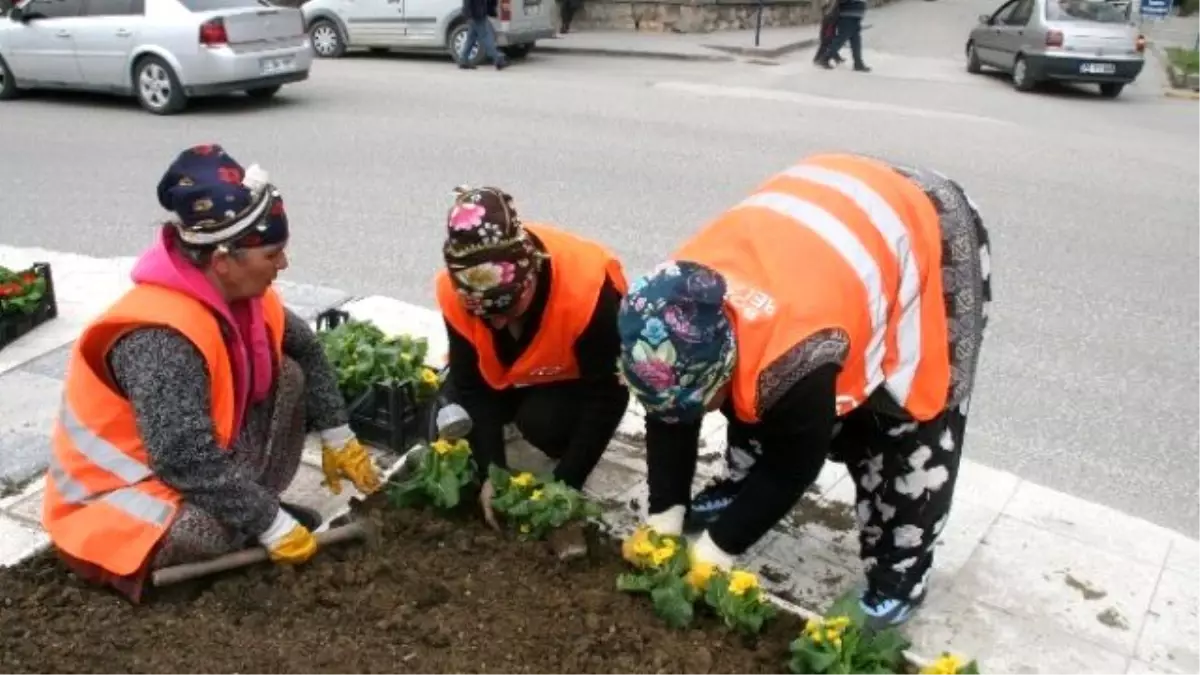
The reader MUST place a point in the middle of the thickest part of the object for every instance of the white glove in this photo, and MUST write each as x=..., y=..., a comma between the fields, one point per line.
x=668, y=522
x=283, y=524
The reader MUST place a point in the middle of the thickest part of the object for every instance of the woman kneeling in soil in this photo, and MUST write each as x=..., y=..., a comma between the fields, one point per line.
x=187, y=402
x=531, y=313
x=838, y=311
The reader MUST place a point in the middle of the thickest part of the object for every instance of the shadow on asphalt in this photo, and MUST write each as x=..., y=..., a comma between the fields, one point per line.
x=1060, y=90
x=229, y=104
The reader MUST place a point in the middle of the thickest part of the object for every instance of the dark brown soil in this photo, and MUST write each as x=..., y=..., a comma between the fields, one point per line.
x=434, y=595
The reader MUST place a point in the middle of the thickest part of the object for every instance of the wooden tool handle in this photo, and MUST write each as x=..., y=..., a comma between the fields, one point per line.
x=173, y=575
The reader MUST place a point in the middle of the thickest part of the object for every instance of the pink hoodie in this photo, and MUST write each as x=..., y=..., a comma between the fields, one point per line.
x=248, y=345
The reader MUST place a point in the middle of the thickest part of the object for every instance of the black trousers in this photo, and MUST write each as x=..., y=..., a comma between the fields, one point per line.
x=849, y=29
x=567, y=10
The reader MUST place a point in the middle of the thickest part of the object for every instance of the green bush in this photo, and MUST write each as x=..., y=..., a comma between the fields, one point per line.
x=1186, y=60
x=1189, y=7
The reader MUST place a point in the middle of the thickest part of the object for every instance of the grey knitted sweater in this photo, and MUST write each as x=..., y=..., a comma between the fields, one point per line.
x=166, y=380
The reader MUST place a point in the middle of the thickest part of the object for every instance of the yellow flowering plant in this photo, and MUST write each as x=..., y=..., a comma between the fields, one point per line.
x=662, y=571
x=949, y=664
x=441, y=474
x=838, y=644
x=736, y=597
x=537, y=506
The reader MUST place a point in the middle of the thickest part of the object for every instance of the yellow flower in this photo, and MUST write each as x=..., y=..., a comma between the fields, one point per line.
x=831, y=634
x=643, y=548
x=428, y=376
x=741, y=581
x=525, y=528
x=699, y=575
x=946, y=664
x=523, y=479
x=837, y=643
x=661, y=555
x=816, y=638
x=442, y=447
x=838, y=622
x=536, y=496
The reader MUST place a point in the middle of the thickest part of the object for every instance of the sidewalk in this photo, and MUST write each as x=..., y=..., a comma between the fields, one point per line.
x=718, y=46
x=1028, y=579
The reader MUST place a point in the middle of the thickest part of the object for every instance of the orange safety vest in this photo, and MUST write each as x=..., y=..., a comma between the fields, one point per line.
x=581, y=268
x=103, y=504
x=836, y=242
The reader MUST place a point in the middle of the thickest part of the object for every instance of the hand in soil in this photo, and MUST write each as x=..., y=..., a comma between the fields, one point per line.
x=486, y=494
x=568, y=542
x=351, y=461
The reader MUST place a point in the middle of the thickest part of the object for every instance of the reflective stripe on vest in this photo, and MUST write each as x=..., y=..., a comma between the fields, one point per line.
x=105, y=455
x=899, y=243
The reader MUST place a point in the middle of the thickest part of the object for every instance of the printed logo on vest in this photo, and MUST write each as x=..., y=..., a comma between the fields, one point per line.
x=547, y=371
x=845, y=404
x=750, y=302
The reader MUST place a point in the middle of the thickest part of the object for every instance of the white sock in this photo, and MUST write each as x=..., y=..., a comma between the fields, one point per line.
x=706, y=550
x=280, y=527
x=337, y=437
x=669, y=521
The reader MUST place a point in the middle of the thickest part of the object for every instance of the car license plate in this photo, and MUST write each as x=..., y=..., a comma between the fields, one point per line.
x=275, y=65
x=1098, y=68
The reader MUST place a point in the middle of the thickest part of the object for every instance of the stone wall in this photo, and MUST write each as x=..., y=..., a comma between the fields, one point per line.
x=695, y=16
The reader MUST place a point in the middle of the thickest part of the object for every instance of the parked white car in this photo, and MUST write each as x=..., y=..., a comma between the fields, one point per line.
x=419, y=25
x=161, y=51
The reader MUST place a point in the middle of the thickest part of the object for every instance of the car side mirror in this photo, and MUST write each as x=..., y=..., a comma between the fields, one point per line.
x=985, y=19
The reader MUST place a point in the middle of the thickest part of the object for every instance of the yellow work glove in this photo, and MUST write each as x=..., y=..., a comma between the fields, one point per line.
x=348, y=460
x=287, y=541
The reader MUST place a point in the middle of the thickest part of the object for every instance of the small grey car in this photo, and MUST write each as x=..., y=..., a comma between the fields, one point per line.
x=1084, y=41
x=163, y=52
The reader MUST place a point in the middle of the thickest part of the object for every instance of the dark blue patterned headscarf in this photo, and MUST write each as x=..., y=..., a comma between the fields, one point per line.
x=677, y=344
x=218, y=203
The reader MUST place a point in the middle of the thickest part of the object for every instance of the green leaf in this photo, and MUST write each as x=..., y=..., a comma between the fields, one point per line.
x=634, y=583
x=972, y=668
x=670, y=602
x=818, y=660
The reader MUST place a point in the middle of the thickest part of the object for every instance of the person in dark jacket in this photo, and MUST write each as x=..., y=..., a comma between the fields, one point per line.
x=828, y=32
x=480, y=32
x=850, y=15
x=531, y=315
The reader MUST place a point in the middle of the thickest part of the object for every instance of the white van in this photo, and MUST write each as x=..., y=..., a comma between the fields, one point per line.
x=418, y=25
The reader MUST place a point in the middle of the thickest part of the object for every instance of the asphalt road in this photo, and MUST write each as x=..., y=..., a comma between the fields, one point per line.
x=1089, y=375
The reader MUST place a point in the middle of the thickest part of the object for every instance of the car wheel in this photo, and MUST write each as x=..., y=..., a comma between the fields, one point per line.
x=974, y=66
x=457, y=40
x=1107, y=89
x=157, y=88
x=264, y=93
x=517, y=51
x=326, y=38
x=1021, y=77
x=8, y=83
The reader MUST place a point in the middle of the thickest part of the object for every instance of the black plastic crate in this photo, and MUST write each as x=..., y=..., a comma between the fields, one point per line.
x=386, y=416
x=14, y=324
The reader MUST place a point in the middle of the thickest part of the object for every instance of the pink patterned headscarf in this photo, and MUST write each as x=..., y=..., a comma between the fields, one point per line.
x=488, y=253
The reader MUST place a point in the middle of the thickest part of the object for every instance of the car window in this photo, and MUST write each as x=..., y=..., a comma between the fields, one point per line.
x=1021, y=13
x=209, y=5
x=1001, y=15
x=113, y=7
x=1087, y=10
x=52, y=9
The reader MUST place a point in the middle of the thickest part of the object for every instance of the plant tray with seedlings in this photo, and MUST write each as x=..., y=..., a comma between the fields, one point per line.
x=389, y=390
x=26, y=301
x=440, y=592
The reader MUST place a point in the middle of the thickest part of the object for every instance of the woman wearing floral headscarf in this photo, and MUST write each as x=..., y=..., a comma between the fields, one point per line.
x=187, y=402
x=838, y=311
x=531, y=312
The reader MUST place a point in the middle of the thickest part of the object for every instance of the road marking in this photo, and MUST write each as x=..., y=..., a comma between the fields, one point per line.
x=701, y=89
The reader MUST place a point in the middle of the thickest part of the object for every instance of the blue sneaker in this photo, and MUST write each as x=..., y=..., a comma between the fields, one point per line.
x=880, y=611
x=708, y=505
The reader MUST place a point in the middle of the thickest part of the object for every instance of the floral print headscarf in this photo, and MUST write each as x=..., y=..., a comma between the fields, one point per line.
x=489, y=255
x=677, y=344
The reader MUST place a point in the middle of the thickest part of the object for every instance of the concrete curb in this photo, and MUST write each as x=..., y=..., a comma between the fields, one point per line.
x=634, y=53
x=773, y=53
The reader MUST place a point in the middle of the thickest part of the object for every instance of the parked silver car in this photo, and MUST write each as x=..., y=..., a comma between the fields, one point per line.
x=1065, y=40
x=161, y=51
x=420, y=25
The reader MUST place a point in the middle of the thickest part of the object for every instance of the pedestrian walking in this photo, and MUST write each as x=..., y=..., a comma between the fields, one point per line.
x=479, y=31
x=850, y=15
x=566, y=11
x=828, y=31
x=865, y=354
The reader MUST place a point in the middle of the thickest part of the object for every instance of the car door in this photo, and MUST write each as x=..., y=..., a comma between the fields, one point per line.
x=421, y=22
x=988, y=37
x=104, y=42
x=1013, y=33
x=375, y=23
x=42, y=46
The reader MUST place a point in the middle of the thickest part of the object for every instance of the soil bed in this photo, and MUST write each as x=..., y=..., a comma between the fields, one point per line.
x=433, y=595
